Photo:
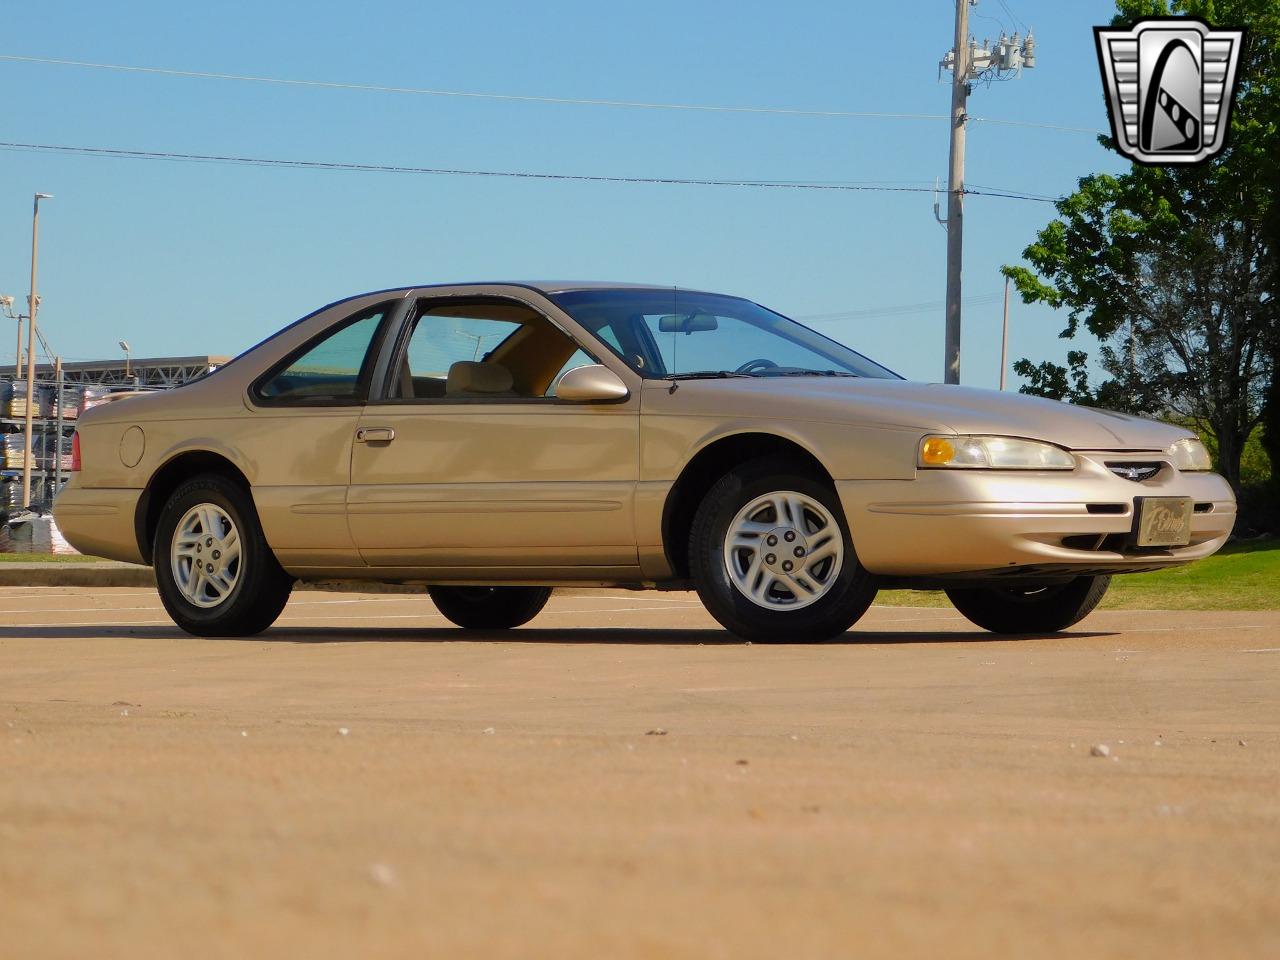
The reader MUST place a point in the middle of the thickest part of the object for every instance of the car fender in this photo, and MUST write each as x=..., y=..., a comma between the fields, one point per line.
x=847, y=451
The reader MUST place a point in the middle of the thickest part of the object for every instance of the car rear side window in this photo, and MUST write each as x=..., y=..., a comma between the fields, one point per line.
x=331, y=370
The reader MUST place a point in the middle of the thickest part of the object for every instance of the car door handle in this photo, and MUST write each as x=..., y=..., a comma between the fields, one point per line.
x=375, y=435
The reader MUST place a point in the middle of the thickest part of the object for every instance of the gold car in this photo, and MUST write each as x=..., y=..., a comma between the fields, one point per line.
x=492, y=441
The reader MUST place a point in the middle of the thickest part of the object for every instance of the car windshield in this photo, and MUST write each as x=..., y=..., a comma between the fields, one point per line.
x=678, y=334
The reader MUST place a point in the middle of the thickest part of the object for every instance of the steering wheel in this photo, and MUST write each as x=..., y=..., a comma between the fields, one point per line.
x=759, y=363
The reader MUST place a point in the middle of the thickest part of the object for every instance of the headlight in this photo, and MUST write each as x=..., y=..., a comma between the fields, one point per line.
x=1190, y=455
x=992, y=453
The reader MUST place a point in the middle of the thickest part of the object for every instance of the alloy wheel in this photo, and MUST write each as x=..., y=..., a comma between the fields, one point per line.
x=205, y=555
x=784, y=551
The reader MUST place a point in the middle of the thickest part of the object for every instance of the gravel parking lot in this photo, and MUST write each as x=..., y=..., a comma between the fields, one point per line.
x=623, y=779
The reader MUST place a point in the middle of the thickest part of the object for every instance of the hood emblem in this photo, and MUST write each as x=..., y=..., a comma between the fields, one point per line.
x=1137, y=472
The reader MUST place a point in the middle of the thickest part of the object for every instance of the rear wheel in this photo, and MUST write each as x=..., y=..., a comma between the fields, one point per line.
x=772, y=559
x=216, y=574
x=1046, y=609
x=490, y=608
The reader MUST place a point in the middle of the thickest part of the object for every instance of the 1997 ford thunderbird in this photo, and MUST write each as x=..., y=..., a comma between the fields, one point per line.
x=492, y=441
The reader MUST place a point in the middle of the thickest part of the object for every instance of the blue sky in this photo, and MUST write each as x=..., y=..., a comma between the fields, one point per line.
x=193, y=258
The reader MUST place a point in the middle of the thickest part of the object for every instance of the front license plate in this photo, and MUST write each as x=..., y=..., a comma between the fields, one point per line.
x=1164, y=521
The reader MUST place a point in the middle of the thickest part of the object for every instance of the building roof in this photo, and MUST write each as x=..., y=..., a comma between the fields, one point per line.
x=138, y=363
x=133, y=362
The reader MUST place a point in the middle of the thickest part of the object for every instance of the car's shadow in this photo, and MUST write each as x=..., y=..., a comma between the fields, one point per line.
x=605, y=636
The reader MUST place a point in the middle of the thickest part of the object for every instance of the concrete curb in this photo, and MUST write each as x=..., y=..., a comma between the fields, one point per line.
x=99, y=574
x=106, y=573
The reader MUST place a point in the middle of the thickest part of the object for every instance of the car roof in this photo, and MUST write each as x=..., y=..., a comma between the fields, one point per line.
x=559, y=286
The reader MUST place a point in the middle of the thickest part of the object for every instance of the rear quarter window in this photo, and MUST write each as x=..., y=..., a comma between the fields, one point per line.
x=332, y=369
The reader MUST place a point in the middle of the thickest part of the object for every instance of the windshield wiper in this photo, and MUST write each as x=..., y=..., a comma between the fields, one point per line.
x=706, y=375
x=675, y=378
x=804, y=373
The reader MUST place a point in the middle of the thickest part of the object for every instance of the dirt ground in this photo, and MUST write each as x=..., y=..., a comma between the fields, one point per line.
x=621, y=779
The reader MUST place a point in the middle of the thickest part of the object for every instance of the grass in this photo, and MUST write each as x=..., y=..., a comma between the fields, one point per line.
x=1242, y=576
x=47, y=558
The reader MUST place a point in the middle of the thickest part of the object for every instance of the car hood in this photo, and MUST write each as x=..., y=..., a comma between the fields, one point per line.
x=929, y=407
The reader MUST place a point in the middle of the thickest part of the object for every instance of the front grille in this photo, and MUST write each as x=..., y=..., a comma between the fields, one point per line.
x=1135, y=471
x=1072, y=570
x=1108, y=542
x=1103, y=508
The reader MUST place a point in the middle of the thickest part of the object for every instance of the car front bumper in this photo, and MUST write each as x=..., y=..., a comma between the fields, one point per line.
x=992, y=524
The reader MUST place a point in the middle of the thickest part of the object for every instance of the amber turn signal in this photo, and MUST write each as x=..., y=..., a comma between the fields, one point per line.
x=936, y=452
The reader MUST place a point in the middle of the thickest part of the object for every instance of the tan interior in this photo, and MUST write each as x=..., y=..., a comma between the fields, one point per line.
x=469, y=378
x=531, y=357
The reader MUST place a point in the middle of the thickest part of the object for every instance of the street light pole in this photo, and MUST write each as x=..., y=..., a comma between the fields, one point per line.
x=955, y=191
x=32, y=304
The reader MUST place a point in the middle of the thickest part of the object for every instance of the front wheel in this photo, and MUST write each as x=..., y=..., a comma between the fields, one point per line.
x=216, y=574
x=489, y=608
x=772, y=558
x=1046, y=609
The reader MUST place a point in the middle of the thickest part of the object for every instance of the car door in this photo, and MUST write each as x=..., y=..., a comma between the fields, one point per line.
x=469, y=464
x=306, y=410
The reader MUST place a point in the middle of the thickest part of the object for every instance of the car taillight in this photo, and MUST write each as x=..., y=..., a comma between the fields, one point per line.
x=75, y=451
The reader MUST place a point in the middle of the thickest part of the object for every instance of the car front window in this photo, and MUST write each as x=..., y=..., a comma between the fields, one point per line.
x=676, y=333
x=482, y=349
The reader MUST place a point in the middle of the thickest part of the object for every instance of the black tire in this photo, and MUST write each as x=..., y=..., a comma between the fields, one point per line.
x=489, y=608
x=261, y=587
x=846, y=599
x=1045, y=609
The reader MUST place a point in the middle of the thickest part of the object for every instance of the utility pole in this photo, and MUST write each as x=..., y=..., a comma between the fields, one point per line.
x=1004, y=339
x=955, y=190
x=968, y=63
x=33, y=303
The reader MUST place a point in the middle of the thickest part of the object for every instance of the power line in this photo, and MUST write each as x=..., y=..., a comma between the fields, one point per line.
x=469, y=94
x=894, y=310
x=1036, y=125
x=459, y=172
x=1016, y=19
x=1010, y=195
x=1022, y=194
x=996, y=20
x=521, y=98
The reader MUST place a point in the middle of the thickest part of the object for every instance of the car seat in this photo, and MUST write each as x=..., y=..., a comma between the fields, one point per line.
x=470, y=378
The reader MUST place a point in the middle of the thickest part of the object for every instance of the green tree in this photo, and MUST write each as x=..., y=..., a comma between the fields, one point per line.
x=1174, y=269
x=1271, y=409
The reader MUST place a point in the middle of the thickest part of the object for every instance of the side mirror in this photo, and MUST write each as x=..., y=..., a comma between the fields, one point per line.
x=591, y=383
